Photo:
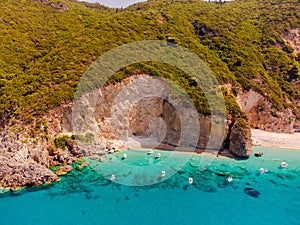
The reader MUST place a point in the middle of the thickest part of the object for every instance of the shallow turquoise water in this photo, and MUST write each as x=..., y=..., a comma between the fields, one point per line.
x=89, y=197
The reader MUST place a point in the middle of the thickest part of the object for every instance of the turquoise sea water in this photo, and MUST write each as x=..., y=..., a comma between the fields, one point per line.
x=90, y=197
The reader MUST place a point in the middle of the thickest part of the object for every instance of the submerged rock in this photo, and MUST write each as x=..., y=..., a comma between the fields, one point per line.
x=63, y=170
x=251, y=192
x=83, y=165
x=102, y=158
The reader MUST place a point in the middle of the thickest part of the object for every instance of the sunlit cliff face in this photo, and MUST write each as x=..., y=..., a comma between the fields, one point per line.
x=142, y=107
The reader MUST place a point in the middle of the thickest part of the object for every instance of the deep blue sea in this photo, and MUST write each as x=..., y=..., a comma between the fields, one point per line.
x=91, y=197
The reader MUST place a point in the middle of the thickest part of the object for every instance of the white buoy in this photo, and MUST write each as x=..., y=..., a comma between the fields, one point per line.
x=124, y=156
x=230, y=179
x=191, y=180
x=113, y=177
x=150, y=152
x=283, y=164
x=158, y=155
x=163, y=173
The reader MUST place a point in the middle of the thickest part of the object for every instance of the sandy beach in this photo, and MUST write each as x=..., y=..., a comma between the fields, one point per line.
x=277, y=140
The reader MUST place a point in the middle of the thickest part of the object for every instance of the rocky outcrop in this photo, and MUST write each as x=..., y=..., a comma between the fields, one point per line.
x=59, y=6
x=25, y=159
x=62, y=7
x=262, y=115
x=16, y=174
x=83, y=165
x=293, y=39
x=240, y=139
x=64, y=170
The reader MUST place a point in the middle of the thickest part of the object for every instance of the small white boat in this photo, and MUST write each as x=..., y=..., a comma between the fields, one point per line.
x=113, y=177
x=150, y=152
x=158, y=155
x=230, y=179
x=262, y=170
x=283, y=164
x=191, y=180
x=124, y=156
x=163, y=173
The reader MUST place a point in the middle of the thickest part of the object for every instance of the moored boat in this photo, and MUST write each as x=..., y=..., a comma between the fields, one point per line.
x=258, y=154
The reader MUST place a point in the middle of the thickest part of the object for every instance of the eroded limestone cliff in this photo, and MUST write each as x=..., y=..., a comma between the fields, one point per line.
x=139, y=112
x=141, y=108
x=262, y=115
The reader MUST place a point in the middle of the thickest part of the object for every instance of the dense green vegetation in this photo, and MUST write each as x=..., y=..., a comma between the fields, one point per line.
x=44, y=51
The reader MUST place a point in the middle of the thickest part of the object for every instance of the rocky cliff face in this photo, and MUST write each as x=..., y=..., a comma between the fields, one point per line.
x=262, y=115
x=116, y=116
x=240, y=139
x=27, y=151
x=22, y=162
x=126, y=113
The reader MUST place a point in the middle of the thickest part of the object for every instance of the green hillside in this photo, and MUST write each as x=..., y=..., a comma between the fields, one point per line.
x=44, y=51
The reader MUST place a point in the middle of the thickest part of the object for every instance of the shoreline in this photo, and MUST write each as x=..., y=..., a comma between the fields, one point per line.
x=260, y=138
x=189, y=150
x=275, y=140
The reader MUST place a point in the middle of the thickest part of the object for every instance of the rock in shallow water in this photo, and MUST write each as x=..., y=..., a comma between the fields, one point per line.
x=83, y=165
x=63, y=170
x=252, y=192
